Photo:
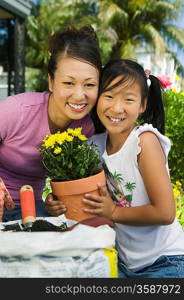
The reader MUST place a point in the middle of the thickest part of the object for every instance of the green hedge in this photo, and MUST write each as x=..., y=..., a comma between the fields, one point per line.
x=174, y=117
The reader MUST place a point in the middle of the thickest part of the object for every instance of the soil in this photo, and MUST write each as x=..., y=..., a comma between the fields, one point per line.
x=38, y=225
x=43, y=225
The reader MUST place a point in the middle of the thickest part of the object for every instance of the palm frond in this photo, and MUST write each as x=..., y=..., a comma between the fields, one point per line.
x=174, y=34
x=111, y=13
x=127, y=50
x=153, y=37
x=179, y=66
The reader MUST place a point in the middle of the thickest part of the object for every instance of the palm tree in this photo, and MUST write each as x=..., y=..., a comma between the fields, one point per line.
x=48, y=17
x=121, y=25
x=132, y=23
x=130, y=186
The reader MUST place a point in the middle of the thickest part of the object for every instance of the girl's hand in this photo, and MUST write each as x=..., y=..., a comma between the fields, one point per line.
x=5, y=199
x=54, y=206
x=101, y=205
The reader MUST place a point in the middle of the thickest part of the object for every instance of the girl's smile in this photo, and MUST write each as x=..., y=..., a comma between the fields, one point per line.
x=115, y=121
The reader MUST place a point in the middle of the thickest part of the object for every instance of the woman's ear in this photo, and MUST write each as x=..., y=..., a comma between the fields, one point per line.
x=50, y=83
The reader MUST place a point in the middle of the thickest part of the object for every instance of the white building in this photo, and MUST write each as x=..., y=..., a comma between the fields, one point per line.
x=160, y=65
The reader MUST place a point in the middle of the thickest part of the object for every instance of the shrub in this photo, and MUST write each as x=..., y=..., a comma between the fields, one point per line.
x=179, y=200
x=174, y=115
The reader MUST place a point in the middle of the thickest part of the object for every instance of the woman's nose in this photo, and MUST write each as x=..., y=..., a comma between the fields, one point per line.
x=79, y=93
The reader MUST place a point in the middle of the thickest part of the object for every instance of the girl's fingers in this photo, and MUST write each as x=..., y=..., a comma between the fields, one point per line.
x=92, y=203
x=93, y=211
x=102, y=190
x=93, y=197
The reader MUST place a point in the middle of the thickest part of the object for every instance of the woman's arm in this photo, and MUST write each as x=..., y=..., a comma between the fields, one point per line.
x=5, y=199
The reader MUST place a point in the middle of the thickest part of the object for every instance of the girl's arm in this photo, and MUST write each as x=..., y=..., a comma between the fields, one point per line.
x=161, y=210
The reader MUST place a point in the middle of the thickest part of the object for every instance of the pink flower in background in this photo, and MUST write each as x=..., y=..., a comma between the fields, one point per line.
x=165, y=81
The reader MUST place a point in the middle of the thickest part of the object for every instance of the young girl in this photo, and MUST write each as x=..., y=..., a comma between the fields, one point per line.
x=150, y=241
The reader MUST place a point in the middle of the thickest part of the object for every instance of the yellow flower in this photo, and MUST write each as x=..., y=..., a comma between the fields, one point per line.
x=49, y=141
x=82, y=137
x=176, y=193
x=57, y=150
x=178, y=214
x=77, y=132
x=178, y=183
x=70, y=131
x=177, y=77
x=69, y=138
x=178, y=204
x=175, y=91
x=182, y=93
x=59, y=138
x=69, y=144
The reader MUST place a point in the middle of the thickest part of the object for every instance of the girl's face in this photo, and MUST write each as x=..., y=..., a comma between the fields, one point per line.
x=74, y=90
x=119, y=108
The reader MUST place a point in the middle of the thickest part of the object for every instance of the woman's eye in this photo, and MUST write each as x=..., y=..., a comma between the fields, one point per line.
x=68, y=83
x=90, y=84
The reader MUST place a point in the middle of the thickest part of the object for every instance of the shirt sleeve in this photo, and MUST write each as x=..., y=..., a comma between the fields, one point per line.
x=10, y=111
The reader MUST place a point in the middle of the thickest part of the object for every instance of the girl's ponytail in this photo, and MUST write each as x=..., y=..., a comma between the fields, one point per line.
x=154, y=113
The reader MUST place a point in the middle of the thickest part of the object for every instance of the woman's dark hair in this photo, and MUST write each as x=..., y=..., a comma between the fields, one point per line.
x=131, y=70
x=80, y=43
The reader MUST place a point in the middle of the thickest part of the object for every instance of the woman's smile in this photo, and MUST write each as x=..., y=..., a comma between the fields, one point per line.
x=77, y=107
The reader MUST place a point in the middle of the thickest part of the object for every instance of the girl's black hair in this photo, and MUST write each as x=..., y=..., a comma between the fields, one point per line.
x=131, y=70
x=79, y=43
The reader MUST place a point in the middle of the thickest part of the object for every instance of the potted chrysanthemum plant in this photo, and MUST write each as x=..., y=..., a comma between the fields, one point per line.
x=73, y=166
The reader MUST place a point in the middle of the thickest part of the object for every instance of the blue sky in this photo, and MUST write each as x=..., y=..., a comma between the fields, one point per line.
x=180, y=23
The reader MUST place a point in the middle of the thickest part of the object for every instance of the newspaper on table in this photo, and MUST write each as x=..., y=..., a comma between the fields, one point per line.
x=84, y=252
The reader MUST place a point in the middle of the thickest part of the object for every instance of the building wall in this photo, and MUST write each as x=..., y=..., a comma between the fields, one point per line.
x=161, y=65
x=3, y=84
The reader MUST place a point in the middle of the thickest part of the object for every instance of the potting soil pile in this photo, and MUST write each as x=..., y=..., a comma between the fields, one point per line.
x=83, y=252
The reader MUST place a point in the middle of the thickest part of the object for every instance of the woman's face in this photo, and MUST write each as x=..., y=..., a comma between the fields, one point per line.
x=74, y=90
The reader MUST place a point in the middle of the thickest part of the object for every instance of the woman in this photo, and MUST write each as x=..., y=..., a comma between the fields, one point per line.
x=73, y=75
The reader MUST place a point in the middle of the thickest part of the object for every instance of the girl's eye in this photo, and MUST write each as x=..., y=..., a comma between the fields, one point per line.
x=108, y=96
x=129, y=100
x=68, y=83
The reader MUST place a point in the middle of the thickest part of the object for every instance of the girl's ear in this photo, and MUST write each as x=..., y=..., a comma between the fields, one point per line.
x=143, y=106
x=50, y=83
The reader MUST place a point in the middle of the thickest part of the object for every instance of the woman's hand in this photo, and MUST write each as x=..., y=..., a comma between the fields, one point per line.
x=54, y=206
x=5, y=199
x=101, y=205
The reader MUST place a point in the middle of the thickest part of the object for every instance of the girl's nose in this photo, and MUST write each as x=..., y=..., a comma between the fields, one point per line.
x=117, y=107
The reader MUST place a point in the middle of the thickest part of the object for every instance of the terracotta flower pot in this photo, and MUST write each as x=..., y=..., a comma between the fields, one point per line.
x=72, y=194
